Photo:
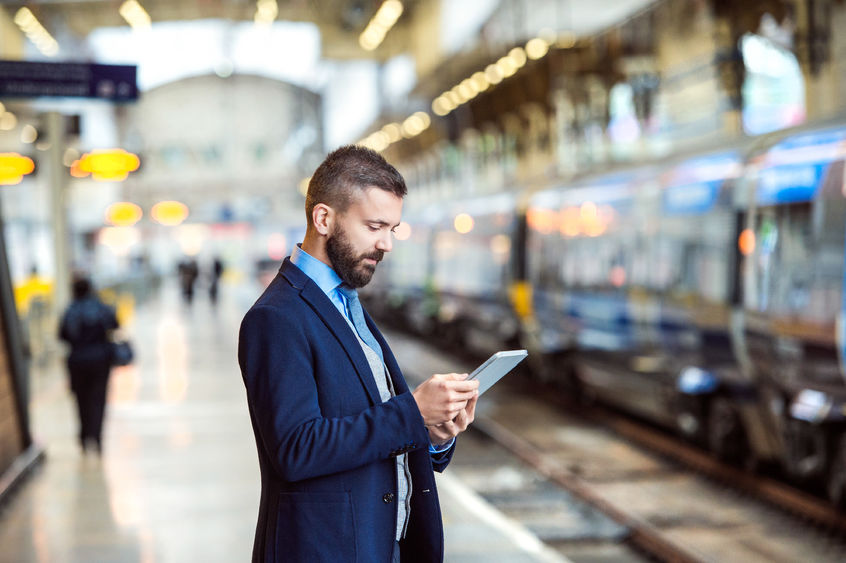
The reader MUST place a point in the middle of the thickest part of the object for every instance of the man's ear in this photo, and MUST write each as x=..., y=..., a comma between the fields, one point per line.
x=323, y=217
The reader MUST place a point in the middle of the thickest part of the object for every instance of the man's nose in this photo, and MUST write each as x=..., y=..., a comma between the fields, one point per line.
x=385, y=242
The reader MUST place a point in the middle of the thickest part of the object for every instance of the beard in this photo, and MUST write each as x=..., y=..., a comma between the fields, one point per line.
x=349, y=265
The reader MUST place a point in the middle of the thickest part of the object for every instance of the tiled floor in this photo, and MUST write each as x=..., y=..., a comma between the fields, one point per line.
x=179, y=479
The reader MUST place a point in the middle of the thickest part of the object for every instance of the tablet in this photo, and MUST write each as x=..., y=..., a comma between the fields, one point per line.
x=495, y=367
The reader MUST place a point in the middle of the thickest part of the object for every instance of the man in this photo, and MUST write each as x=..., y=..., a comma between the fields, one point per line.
x=346, y=451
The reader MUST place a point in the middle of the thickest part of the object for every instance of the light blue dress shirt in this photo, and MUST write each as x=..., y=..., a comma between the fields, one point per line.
x=328, y=281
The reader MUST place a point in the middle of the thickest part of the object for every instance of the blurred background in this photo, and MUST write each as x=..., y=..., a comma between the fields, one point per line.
x=646, y=194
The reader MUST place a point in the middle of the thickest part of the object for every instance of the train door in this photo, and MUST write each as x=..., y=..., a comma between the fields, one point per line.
x=543, y=330
x=793, y=298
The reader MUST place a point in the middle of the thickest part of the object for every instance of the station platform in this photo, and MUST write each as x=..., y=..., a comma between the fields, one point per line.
x=178, y=479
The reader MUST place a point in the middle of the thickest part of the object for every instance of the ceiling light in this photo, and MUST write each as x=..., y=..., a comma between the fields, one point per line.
x=566, y=40
x=384, y=19
x=393, y=131
x=13, y=167
x=123, y=214
x=506, y=66
x=109, y=164
x=135, y=15
x=493, y=74
x=480, y=81
x=471, y=85
x=71, y=154
x=441, y=106
x=536, y=48
x=416, y=124
x=378, y=142
x=266, y=12
x=28, y=134
x=458, y=95
x=8, y=121
x=465, y=91
x=389, y=12
x=36, y=33
x=518, y=55
x=169, y=213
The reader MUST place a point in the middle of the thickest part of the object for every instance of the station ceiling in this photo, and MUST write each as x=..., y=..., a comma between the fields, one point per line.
x=340, y=21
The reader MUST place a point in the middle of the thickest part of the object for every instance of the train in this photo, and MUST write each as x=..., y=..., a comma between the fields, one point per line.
x=704, y=293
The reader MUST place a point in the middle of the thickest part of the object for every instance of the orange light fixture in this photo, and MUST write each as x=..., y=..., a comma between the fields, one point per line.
x=746, y=242
x=570, y=224
x=13, y=167
x=76, y=171
x=542, y=220
x=109, y=165
x=169, y=213
x=123, y=214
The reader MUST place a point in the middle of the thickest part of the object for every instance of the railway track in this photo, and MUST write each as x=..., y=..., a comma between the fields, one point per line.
x=657, y=497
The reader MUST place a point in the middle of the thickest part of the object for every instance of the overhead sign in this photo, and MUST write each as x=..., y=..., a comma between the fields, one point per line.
x=26, y=79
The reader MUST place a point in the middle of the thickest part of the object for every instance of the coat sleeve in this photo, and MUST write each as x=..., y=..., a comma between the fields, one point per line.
x=442, y=459
x=275, y=357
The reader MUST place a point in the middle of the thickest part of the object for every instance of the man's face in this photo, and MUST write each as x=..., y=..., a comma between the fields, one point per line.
x=361, y=236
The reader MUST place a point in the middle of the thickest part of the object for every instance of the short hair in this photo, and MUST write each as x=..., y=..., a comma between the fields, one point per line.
x=81, y=287
x=346, y=170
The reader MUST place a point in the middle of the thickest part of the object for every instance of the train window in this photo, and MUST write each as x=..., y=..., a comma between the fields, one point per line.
x=798, y=263
x=548, y=260
x=475, y=263
x=692, y=256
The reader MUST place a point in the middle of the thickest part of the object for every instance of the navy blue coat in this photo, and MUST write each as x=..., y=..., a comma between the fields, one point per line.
x=326, y=442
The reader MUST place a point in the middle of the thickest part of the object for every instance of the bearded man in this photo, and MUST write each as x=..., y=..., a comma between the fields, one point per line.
x=346, y=451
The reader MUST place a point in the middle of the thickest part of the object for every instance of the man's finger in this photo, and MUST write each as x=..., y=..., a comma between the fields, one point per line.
x=462, y=386
x=453, y=376
x=463, y=396
x=450, y=428
x=471, y=407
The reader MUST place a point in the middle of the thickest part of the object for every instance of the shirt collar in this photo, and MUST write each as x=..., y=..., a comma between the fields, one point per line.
x=321, y=274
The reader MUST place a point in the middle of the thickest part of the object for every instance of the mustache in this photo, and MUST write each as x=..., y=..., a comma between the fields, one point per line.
x=375, y=255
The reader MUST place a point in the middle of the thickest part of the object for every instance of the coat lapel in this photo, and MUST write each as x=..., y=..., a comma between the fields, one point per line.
x=336, y=323
x=400, y=386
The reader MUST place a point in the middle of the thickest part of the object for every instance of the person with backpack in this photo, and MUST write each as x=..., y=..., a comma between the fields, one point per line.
x=86, y=326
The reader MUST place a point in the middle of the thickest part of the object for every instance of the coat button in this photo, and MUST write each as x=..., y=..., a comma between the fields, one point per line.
x=388, y=498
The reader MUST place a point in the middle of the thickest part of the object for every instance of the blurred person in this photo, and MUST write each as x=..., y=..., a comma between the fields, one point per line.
x=188, y=273
x=34, y=299
x=214, y=278
x=346, y=451
x=86, y=326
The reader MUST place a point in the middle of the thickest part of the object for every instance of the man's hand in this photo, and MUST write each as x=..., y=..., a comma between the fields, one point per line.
x=443, y=396
x=442, y=433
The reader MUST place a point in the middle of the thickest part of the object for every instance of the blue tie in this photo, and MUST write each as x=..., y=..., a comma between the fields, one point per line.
x=357, y=318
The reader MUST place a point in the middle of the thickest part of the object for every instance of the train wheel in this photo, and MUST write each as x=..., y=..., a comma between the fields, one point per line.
x=836, y=482
x=725, y=434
